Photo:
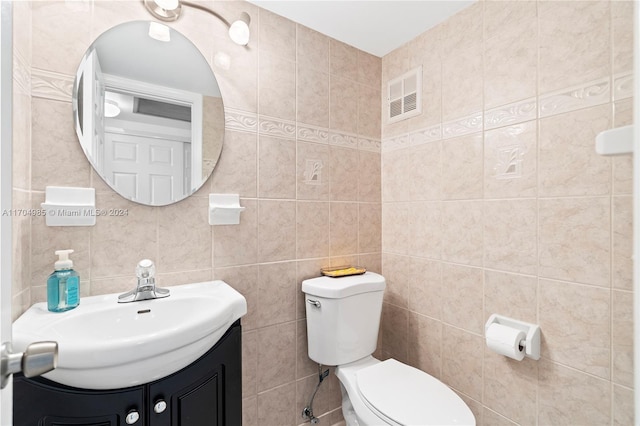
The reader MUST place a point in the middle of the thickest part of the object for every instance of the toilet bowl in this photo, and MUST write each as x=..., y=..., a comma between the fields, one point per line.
x=343, y=317
x=392, y=393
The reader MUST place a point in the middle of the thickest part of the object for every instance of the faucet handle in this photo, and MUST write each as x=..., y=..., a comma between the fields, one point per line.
x=146, y=288
x=145, y=269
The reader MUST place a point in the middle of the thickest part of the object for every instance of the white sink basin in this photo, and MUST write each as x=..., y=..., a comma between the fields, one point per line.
x=104, y=344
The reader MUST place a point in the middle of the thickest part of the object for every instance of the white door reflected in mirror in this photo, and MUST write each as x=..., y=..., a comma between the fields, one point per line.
x=148, y=113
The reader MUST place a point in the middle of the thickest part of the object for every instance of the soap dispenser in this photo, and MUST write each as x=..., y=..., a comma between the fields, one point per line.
x=63, y=285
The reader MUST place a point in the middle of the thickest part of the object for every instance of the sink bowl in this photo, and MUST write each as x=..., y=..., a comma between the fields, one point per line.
x=104, y=344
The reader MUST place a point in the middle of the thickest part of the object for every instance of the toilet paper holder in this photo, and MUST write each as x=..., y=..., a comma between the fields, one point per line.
x=531, y=342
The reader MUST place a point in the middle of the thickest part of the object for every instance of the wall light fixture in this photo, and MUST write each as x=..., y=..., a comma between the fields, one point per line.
x=169, y=10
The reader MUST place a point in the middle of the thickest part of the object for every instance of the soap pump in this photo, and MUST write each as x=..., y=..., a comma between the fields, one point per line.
x=63, y=285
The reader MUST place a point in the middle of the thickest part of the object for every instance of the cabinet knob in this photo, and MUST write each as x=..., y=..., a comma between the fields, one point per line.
x=160, y=406
x=132, y=417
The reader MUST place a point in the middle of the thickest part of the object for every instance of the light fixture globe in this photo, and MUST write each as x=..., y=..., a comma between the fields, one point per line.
x=239, y=30
x=111, y=108
x=169, y=10
x=168, y=4
x=165, y=10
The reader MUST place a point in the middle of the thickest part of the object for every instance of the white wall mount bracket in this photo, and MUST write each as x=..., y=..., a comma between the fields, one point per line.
x=224, y=209
x=69, y=206
x=616, y=141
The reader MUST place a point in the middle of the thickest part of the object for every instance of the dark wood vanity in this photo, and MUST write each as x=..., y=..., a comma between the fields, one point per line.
x=207, y=392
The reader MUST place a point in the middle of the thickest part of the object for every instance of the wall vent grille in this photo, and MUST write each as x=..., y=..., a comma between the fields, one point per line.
x=405, y=95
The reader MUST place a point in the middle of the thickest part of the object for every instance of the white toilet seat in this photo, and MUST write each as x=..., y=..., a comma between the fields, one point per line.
x=392, y=393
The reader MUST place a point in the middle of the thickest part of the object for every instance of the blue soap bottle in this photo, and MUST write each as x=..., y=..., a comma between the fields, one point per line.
x=63, y=285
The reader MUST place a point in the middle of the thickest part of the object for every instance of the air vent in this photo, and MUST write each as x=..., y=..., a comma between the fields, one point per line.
x=405, y=95
x=395, y=108
x=410, y=102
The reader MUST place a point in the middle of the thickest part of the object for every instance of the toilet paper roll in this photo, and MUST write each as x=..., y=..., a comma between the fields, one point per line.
x=506, y=340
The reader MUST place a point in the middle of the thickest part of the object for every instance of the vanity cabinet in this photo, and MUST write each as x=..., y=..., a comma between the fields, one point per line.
x=208, y=392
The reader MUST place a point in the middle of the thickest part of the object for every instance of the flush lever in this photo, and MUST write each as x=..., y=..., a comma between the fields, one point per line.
x=37, y=359
x=315, y=303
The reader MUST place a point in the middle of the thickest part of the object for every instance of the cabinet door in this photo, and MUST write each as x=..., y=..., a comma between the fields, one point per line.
x=207, y=393
x=40, y=402
x=198, y=404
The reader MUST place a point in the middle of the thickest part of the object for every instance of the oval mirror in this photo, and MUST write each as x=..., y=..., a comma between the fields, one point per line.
x=148, y=112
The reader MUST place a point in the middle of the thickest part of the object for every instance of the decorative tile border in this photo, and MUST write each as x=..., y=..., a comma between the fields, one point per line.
x=591, y=94
x=622, y=86
x=393, y=144
x=240, y=120
x=51, y=85
x=313, y=134
x=343, y=139
x=430, y=134
x=250, y=122
x=462, y=126
x=369, y=145
x=21, y=73
x=276, y=127
x=514, y=113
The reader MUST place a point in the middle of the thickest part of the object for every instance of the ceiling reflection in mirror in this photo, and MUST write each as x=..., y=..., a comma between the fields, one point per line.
x=148, y=112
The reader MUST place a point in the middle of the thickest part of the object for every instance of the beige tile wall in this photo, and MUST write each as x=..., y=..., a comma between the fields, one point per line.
x=550, y=246
x=527, y=84
x=292, y=96
x=21, y=151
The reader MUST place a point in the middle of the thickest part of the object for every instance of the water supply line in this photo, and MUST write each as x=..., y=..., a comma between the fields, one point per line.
x=307, y=412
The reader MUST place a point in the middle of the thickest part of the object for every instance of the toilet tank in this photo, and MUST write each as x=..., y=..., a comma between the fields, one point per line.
x=343, y=317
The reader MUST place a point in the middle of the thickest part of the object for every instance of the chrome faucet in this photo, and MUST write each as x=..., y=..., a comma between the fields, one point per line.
x=146, y=288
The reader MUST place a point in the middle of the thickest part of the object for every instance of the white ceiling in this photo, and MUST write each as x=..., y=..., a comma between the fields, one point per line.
x=375, y=26
x=127, y=50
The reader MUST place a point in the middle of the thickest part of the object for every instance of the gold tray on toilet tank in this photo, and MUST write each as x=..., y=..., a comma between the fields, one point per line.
x=343, y=271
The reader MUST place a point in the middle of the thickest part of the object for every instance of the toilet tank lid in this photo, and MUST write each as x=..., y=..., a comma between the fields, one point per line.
x=337, y=288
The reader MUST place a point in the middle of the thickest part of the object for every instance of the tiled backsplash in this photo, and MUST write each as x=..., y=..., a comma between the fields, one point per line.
x=494, y=201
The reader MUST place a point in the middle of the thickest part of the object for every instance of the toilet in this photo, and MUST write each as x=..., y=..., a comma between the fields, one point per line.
x=343, y=317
